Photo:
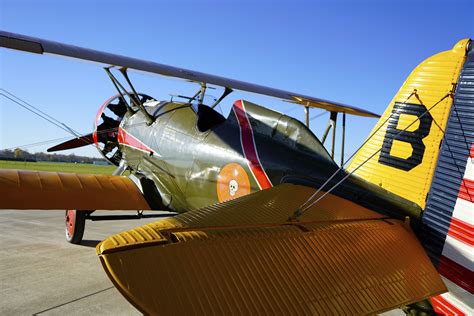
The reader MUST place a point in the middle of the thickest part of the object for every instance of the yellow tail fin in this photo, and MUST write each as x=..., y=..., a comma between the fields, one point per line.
x=405, y=142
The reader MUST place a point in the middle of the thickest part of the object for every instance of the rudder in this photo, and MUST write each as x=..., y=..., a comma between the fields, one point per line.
x=423, y=151
x=405, y=141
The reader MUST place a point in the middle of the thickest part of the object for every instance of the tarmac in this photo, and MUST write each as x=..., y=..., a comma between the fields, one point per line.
x=42, y=274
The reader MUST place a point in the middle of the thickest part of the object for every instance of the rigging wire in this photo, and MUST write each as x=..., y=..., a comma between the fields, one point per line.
x=35, y=110
x=308, y=204
x=50, y=119
x=317, y=115
x=38, y=143
x=341, y=168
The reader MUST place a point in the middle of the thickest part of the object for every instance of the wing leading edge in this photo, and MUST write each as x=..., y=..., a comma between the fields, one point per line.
x=242, y=257
x=41, y=46
x=25, y=189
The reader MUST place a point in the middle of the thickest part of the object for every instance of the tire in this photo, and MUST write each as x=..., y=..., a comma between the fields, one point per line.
x=75, y=224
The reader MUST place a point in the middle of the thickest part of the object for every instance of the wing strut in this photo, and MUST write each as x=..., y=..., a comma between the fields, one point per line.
x=227, y=91
x=136, y=100
x=134, y=97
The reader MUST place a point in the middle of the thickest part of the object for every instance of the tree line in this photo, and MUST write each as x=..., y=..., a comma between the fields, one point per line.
x=19, y=154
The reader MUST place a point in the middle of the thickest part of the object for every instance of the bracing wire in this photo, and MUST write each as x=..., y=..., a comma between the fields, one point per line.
x=341, y=168
x=35, y=110
x=308, y=204
x=50, y=119
x=38, y=143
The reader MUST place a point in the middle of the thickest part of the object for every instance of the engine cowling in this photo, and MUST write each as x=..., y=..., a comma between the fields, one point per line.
x=107, y=122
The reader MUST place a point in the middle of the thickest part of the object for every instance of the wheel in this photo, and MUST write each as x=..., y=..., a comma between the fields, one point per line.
x=75, y=224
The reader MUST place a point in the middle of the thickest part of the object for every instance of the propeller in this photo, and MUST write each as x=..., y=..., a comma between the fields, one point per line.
x=73, y=143
x=106, y=132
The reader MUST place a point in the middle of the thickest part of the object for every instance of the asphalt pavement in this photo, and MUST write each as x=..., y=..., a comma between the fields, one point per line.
x=42, y=274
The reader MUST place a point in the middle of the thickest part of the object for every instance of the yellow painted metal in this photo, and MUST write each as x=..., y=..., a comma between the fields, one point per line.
x=330, y=106
x=243, y=257
x=432, y=80
x=26, y=189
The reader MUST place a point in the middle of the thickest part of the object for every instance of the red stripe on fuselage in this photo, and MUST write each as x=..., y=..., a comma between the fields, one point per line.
x=442, y=306
x=457, y=273
x=466, y=191
x=126, y=139
x=462, y=231
x=248, y=146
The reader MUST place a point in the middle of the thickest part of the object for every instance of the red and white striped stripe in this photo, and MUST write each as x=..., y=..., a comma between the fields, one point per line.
x=249, y=148
x=447, y=304
x=457, y=259
x=129, y=140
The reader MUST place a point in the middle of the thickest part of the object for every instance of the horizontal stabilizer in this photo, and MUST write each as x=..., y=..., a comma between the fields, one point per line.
x=243, y=257
x=25, y=189
x=41, y=46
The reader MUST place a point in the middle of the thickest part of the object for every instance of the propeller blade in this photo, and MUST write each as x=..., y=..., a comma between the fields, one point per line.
x=73, y=143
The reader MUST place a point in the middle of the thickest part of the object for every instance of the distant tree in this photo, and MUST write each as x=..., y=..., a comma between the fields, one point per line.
x=18, y=153
x=7, y=153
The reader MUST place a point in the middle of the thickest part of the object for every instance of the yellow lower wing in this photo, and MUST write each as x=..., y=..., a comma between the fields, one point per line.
x=242, y=257
x=25, y=189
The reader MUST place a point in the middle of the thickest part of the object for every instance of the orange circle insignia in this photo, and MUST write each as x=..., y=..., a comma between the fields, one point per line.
x=232, y=182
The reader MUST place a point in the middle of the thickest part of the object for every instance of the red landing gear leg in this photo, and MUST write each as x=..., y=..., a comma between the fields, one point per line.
x=75, y=223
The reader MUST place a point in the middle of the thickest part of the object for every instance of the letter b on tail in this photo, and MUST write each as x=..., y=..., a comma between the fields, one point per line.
x=414, y=138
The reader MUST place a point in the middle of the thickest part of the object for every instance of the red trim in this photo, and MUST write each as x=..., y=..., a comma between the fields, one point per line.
x=248, y=146
x=127, y=139
x=97, y=119
x=471, y=154
x=462, y=231
x=466, y=191
x=444, y=307
x=457, y=273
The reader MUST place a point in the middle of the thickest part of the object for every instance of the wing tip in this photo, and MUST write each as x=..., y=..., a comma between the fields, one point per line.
x=20, y=42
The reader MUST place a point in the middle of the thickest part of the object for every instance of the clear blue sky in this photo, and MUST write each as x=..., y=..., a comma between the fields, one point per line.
x=355, y=52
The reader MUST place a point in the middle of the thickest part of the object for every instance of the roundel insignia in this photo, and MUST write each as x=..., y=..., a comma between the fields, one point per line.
x=232, y=182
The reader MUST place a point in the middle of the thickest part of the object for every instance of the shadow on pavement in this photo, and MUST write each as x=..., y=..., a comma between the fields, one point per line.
x=89, y=243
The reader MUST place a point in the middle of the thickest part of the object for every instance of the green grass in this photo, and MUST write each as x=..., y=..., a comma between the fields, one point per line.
x=57, y=166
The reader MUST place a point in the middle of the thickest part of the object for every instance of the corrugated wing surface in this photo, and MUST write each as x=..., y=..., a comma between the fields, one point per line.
x=242, y=257
x=26, y=189
x=403, y=167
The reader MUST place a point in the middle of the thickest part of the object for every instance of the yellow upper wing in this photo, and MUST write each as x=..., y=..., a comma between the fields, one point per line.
x=25, y=189
x=243, y=257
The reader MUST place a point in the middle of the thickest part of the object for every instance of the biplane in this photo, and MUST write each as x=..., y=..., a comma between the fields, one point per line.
x=265, y=221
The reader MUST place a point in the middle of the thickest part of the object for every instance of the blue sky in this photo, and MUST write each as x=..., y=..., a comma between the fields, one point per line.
x=355, y=52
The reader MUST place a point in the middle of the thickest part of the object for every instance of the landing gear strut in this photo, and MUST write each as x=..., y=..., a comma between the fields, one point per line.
x=76, y=221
